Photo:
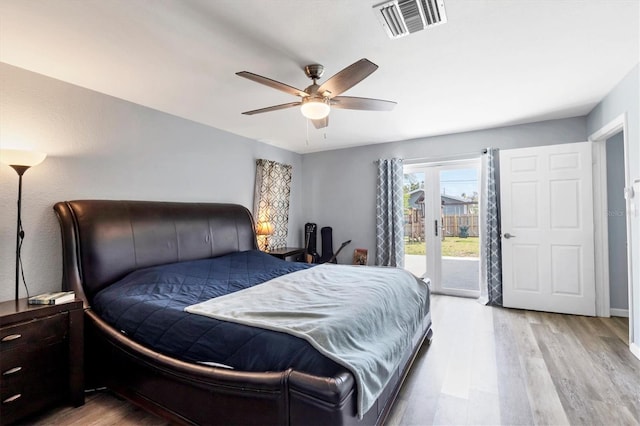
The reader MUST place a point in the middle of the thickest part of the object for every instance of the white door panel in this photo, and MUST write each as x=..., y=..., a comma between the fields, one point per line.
x=547, y=208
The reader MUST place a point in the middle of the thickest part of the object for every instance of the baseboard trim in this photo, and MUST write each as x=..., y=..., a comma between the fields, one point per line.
x=619, y=312
x=635, y=349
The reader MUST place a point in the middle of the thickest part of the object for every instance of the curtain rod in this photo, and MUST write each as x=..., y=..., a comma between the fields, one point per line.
x=453, y=157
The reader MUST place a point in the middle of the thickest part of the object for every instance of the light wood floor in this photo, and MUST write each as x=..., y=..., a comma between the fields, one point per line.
x=485, y=366
x=502, y=366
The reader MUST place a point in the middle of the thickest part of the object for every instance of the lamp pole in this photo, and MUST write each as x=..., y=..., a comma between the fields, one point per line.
x=19, y=232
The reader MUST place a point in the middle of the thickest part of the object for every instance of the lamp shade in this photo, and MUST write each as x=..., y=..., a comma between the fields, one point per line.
x=17, y=157
x=264, y=228
x=315, y=108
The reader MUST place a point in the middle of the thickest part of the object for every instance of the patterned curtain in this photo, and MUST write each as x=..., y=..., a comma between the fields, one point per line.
x=271, y=202
x=390, y=214
x=490, y=244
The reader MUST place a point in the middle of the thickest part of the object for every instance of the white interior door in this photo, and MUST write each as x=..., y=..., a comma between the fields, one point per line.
x=547, y=228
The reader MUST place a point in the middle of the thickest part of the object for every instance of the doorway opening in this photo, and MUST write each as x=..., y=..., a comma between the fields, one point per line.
x=617, y=227
x=601, y=139
x=442, y=232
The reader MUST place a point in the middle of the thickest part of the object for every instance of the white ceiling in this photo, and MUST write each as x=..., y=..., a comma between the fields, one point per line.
x=495, y=63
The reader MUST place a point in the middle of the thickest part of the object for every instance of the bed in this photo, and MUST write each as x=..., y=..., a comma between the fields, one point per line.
x=182, y=361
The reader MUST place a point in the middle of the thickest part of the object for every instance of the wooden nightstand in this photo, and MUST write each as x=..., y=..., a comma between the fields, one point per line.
x=285, y=252
x=41, y=357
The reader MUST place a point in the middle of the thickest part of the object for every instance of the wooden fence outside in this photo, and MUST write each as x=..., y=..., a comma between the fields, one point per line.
x=414, y=226
x=452, y=225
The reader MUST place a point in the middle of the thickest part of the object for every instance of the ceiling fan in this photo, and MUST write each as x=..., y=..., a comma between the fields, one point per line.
x=317, y=100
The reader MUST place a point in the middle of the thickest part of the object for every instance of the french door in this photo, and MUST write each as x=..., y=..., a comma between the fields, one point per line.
x=441, y=225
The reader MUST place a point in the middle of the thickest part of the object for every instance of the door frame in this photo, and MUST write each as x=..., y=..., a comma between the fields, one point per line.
x=599, y=139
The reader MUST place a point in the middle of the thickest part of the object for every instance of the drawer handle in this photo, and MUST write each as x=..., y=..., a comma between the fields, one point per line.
x=11, y=371
x=11, y=337
x=12, y=398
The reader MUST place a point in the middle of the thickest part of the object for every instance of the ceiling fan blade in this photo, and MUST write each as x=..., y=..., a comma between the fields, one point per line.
x=367, y=104
x=272, y=108
x=273, y=84
x=321, y=123
x=348, y=77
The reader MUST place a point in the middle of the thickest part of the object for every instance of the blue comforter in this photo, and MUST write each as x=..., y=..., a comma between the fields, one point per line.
x=148, y=306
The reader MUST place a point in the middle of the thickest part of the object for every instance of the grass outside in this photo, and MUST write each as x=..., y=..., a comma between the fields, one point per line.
x=451, y=247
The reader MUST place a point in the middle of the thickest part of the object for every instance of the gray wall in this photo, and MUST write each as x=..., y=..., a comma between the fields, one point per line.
x=625, y=99
x=102, y=147
x=339, y=185
x=617, y=224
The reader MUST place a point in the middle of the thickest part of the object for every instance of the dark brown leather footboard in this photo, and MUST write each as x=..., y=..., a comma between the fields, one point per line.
x=104, y=240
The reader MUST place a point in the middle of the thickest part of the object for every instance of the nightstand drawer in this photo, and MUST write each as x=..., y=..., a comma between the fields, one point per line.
x=40, y=332
x=30, y=364
x=30, y=396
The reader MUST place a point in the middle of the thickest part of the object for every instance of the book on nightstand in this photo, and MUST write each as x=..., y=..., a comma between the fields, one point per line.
x=52, y=298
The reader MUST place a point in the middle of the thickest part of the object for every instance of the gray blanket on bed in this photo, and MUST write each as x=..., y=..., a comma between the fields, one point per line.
x=363, y=318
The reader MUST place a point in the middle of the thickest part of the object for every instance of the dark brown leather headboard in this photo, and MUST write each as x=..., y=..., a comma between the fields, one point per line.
x=103, y=240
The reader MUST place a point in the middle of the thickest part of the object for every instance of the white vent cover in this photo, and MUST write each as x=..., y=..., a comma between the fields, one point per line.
x=403, y=17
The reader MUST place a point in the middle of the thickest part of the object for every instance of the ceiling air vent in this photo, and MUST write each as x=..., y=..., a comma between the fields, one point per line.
x=403, y=17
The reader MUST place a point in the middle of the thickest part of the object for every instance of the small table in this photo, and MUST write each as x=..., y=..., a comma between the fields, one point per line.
x=285, y=252
x=41, y=353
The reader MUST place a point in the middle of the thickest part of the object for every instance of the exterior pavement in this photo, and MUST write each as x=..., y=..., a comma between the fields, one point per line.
x=457, y=272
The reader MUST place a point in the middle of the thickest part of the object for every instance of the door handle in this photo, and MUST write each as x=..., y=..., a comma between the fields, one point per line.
x=435, y=228
x=508, y=235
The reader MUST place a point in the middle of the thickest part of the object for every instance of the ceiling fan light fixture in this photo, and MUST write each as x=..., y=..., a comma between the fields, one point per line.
x=317, y=100
x=315, y=108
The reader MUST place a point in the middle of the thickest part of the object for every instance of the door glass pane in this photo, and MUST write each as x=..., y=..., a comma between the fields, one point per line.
x=460, y=242
x=415, y=250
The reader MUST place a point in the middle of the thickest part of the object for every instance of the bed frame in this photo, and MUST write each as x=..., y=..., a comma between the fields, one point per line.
x=103, y=240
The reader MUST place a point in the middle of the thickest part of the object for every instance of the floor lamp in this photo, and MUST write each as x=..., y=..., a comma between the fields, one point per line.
x=20, y=161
